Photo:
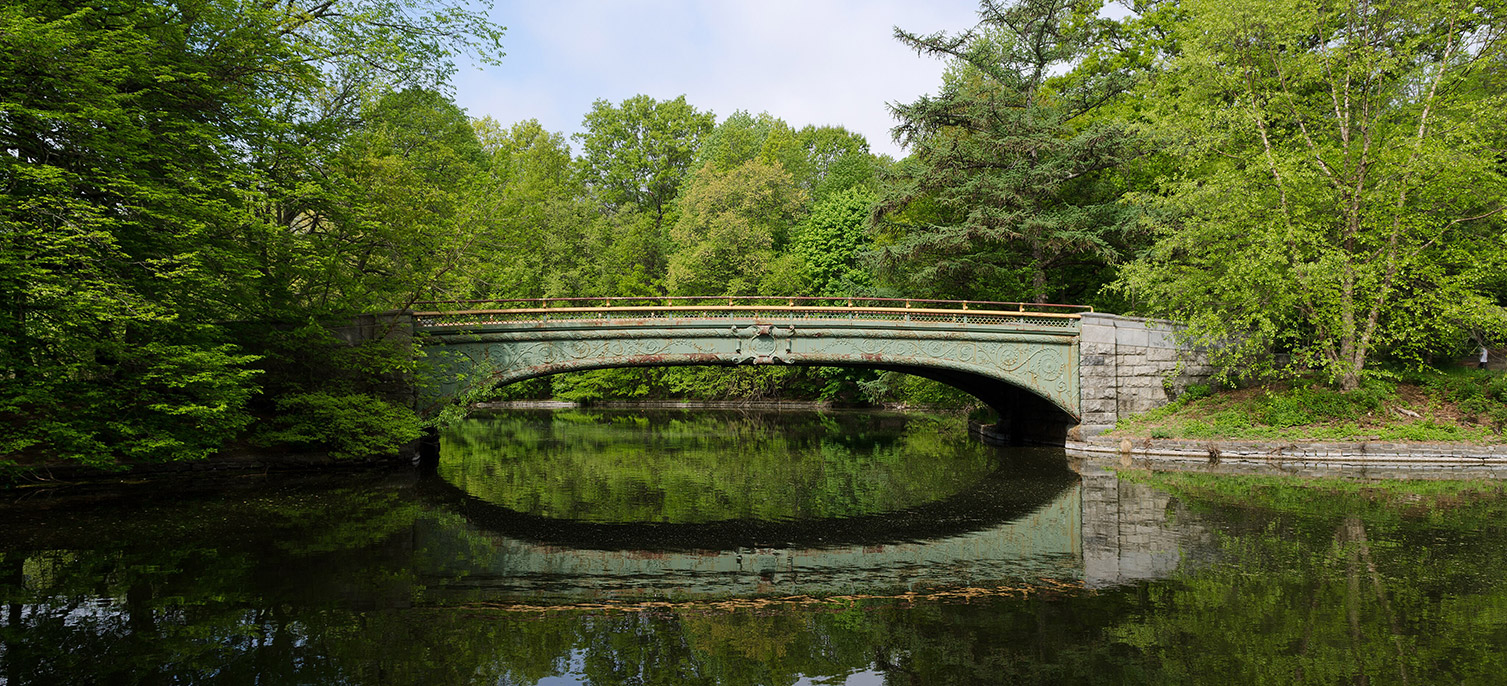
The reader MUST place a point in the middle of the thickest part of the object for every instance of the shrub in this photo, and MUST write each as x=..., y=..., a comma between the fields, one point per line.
x=346, y=426
x=1304, y=406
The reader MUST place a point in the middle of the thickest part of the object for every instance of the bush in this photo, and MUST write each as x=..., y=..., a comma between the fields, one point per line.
x=1480, y=395
x=1304, y=406
x=346, y=426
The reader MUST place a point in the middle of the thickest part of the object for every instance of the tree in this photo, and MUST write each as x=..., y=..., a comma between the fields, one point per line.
x=150, y=181
x=1341, y=181
x=830, y=240
x=1011, y=175
x=821, y=159
x=730, y=229
x=540, y=221
x=639, y=151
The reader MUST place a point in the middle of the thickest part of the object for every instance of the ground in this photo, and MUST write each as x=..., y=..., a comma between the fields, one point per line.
x=1464, y=405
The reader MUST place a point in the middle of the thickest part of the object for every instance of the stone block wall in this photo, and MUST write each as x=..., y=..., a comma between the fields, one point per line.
x=1129, y=365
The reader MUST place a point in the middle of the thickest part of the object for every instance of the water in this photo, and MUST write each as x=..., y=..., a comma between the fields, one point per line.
x=746, y=548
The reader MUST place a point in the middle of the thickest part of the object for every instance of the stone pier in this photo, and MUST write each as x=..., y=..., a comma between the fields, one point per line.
x=1129, y=365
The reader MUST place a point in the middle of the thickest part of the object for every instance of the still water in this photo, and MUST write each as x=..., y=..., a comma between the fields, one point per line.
x=721, y=547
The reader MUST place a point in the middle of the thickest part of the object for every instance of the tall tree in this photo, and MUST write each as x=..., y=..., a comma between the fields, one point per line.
x=1011, y=175
x=821, y=159
x=1342, y=180
x=638, y=152
x=830, y=241
x=135, y=200
x=539, y=217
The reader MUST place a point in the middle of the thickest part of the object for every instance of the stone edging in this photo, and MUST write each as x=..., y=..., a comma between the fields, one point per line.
x=1295, y=454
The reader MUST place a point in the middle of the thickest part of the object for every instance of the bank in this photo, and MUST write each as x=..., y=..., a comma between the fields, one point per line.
x=1447, y=423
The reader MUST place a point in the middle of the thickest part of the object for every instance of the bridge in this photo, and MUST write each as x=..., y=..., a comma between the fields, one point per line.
x=1044, y=368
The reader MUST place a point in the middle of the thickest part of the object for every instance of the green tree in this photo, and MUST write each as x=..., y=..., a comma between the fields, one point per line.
x=821, y=159
x=831, y=239
x=146, y=197
x=410, y=170
x=639, y=151
x=540, y=223
x=1010, y=180
x=731, y=229
x=115, y=175
x=1341, y=182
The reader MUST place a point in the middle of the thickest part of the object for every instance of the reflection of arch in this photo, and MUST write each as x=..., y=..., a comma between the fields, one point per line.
x=1033, y=481
x=1018, y=367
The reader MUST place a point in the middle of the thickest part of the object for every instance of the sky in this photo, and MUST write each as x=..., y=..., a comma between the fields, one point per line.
x=822, y=62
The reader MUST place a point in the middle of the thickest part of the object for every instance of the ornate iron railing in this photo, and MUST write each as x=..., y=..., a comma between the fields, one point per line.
x=462, y=313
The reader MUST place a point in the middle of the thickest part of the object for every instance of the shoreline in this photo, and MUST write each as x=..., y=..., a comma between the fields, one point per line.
x=1301, y=458
x=52, y=475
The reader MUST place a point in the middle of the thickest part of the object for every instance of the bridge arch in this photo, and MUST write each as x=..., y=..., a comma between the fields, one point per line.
x=1013, y=360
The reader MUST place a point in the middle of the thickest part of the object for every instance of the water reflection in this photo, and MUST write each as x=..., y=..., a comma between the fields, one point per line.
x=611, y=467
x=386, y=579
x=620, y=505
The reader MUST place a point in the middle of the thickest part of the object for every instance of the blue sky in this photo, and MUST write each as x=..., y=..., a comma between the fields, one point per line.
x=813, y=62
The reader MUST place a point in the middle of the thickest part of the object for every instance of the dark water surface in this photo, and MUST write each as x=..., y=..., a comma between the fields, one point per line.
x=718, y=547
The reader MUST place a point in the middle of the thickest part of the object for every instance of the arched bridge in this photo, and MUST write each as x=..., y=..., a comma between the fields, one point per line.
x=1025, y=360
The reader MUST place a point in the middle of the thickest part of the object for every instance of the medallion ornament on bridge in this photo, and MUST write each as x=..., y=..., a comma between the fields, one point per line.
x=762, y=346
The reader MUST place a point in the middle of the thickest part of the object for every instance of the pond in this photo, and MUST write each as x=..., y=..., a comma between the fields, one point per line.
x=729, y=547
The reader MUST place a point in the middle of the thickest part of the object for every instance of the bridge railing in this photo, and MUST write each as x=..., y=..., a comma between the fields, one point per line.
x=457, y=313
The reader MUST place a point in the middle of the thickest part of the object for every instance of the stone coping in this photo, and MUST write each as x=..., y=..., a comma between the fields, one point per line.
x=1298, y=456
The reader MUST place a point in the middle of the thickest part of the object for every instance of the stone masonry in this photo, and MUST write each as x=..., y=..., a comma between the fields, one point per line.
x=1129, y=365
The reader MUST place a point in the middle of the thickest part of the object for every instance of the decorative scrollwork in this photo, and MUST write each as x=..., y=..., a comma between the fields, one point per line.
x=1044, y=364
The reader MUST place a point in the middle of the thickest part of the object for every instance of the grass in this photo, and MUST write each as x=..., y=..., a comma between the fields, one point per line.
x=1459, y=405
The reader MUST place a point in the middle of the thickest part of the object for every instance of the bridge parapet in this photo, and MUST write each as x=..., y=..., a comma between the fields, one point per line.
x=541, y=310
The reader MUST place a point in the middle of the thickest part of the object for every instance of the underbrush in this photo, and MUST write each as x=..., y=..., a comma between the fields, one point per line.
x=1448, y=406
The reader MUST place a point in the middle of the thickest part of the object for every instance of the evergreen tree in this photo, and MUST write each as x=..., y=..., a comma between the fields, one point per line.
x=1010, y=184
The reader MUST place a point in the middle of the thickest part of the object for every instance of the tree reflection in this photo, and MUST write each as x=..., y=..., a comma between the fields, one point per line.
x=689, y=468
x=325, y=581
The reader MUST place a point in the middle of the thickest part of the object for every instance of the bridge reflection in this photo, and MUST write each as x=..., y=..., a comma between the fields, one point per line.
x=1087, y=526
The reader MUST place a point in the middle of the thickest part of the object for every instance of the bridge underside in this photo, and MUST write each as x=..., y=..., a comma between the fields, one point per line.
x=1025, y=368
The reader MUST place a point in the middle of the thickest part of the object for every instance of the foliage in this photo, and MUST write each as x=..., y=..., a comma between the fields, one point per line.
x=539, y=223
x=345, y=426
x=821, y=159
x=730, y=229
x=115, y=177
x=1480, y=395
x=1339, y=184
x=1011, y=179
x=172, y=168
x=830, y=240
x=905, y=389
x=636, y=153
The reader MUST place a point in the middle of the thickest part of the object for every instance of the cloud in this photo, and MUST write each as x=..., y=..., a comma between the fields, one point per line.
x=813, y=62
